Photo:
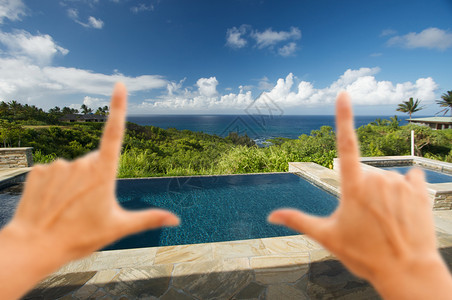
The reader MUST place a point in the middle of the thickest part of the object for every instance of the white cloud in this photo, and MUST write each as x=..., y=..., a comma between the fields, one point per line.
x=269, y=37
x=39, y=48
x=26, y=73
x=24, y=81
x=12, y=10
x=431, y=38
x=174, y=87
x=363, y=87
x=85, y=81
x=207, y=86
x=92, y=21
x=264, y=84
x=234, y=37
x=288, y=50
x=95, y=23
x=293, y=95
x=190, y=101
x=142, y=7
x=72, y=13
x=388, y=32
x=94, y=103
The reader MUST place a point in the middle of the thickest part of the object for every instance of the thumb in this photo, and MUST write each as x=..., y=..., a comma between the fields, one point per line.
x=136, y=221
x=314, y=227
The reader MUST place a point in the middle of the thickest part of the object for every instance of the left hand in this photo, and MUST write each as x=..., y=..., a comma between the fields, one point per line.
x=69, y=209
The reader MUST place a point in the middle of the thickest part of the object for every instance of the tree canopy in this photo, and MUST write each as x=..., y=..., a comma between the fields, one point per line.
x=446, y=102
x=410, y=106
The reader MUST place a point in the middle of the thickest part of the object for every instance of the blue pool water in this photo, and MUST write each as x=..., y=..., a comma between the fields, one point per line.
x=430, y=176
x=219, y=208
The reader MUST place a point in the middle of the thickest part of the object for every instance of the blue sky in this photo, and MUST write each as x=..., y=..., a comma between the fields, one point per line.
x=215, y=57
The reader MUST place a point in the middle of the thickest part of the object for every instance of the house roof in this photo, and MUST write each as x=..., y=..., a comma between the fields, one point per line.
x=83, y=117
x=447, y=120
x=92, y=116
x=69, y=117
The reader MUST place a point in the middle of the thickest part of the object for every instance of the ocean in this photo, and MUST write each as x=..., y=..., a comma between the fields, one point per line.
x=258, y=127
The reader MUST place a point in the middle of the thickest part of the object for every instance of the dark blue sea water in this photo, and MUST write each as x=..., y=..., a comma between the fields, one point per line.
x=258, y=127
x=219, y=208
x=430, y=175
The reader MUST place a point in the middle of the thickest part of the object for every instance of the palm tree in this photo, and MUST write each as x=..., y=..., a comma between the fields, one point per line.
x=85, y=109
x=103, y=111
x=410, y=106
x=67, y=111
x=446, y=102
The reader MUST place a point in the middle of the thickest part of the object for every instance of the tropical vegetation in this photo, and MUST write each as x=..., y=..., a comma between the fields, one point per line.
x=410, y=106
x=446, y=102
x=153, y=151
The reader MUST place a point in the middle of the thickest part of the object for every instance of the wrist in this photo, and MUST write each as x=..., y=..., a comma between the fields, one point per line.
x=30, y=250
x=425, y=277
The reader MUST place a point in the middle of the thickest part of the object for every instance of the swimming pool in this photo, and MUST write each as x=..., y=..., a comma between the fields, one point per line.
x=430, y=175
x=211, y=208
x=219, y=208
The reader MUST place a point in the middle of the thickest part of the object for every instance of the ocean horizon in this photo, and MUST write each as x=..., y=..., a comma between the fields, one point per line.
x=257, y=127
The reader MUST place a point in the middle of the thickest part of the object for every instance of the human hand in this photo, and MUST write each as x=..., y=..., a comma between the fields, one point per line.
x=383, y=228
x=69, y=209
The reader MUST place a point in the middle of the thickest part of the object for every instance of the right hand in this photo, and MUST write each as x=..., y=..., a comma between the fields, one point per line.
x=383, y=226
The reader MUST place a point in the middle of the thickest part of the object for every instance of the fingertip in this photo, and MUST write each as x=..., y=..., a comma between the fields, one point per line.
x=171, y=220
x=273, y=218
x=120, y=87
x=343, y=104
x=415, y=174
x=343, y=98
x=164, y=217
x=136, y=221
x=277, y=217
x=119, y=96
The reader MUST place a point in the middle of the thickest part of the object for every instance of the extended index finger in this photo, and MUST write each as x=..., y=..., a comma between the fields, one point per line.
x=347, y=143
x=110, y=147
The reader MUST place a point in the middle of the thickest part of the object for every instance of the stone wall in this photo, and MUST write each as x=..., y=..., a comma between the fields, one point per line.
x=388, y=161
x=440, y=166
x=16, y=157
x=442, y=200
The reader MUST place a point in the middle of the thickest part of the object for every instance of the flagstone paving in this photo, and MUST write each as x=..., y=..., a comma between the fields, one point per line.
x=290, y=267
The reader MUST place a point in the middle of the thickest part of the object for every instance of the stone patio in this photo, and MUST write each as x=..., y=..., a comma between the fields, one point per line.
x=293, y=267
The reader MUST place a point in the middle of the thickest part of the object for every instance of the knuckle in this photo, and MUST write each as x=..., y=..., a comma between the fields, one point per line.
x=415, y=173
x=113, y=132
x=378, y=178
x=38, y=170
x=346, y=143
x=81, y=164
x=60, y=163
